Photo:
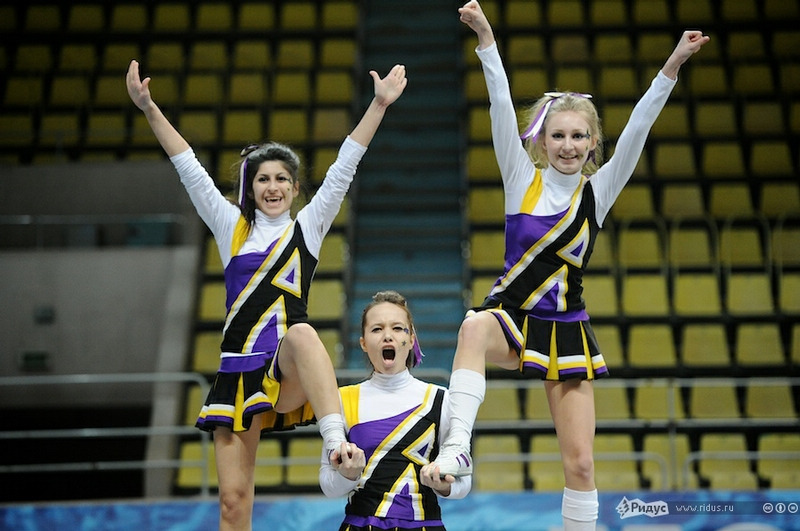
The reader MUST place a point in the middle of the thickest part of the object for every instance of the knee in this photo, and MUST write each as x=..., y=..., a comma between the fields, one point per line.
x=233, y=506
x=580, y=466
x=301, y=334
x=475, y=329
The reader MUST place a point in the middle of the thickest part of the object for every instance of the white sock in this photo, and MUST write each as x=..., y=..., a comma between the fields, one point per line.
x=579, y=509
x=467, y=389
x=331, y=427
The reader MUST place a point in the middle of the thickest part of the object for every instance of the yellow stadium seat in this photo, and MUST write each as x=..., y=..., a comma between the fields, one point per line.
x=635, y=201
x=338, y=15
x=600, y=293
x=690, y=246
x=651, y=346
x=105, y=129
x=640, y=247
x=338, y=53
x=482, y=164
x=612, y=47
x=480, y=127
x=609, y=13
x=708, y=79
x=69, y=91
x=780, y=199
x=42, y=18
x=258, y=16
x=332, y=339
x=171, y=17
x=570, y=48
x=86, y=17
x=614, y=463
x=211, y=306
x=194, y=403
x=522, y=50
x=651, y=45
x=779, y=468
x=692, y=11
x=128, y=17
x=326, y=300
x=208, y=55
x=194, y=458
x=216, y=16
x=165, y=55
x=487, y=249
x=618, y=82
x=603, y=255
x=536, y=404
x=705, y=345
x=523, y=14
x=199, y=127
x=611, y=403
x=732, y=10
x=334, y=87
x=769, y=401
x=291, y=88
x=753, y=79
x=673, y=449
x=290, y=125
x=759, y=344
x=672, y=122
x=307, y=451
x=713, y=402
x=674, y=160
x=645, y=294
x=16, y=129
x=247, y=88
x=575, y=78
x=295, y=53
x=269, y=470
x=728, y=473
x=771, y=158
x=334, y=255
x=565, y=12
x=715, y=118
x=722, y=159
x=24, y=91
x=650, y=12
x=330, y=125
x=203, y=89
x=205, y=358
x=546, y=471
x=760, y=118
x=243, y=127
x=494, y=475
x=682, y=201
x=610, y=342
x=656, y=402
x=697, y=294
x=252, y=55
x=486, y=205
x=749, y=294
x=480, y=287
x=740, y=246
x=789, y=292
x=730, y=200
x=77, y=58
x=500, y=403
x=59, y=129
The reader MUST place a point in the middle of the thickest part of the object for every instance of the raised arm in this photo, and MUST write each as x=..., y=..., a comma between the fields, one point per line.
x=689, y=44
x=139, y=91
x=473, y=16
x=387, y=90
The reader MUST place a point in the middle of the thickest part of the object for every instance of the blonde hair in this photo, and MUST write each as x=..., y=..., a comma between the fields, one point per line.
x=566, y=102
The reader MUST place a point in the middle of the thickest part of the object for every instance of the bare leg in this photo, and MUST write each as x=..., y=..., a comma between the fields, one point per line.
x=307, y=375
x=572, y=409
x=236, y=458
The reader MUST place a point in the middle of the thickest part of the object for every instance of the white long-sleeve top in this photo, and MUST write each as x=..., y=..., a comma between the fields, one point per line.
x=221, y=216
x=382, y=397
x=517, y=169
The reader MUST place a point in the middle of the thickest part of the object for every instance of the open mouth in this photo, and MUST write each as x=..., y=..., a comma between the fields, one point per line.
x=388, y=354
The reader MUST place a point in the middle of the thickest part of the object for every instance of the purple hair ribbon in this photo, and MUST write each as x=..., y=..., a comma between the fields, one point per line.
x=535, y=128
x=418, y=355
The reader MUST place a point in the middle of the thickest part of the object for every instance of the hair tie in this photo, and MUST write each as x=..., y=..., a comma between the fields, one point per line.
x=243, y=172
x=535, y=128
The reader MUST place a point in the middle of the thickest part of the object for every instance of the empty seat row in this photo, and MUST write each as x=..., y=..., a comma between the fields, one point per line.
x=717, y=461
x=182, y=16
x=764, y=398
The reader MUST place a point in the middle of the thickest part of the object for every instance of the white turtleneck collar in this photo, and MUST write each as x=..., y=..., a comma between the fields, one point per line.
x=567, y=182
x=280, y=220
x=391, y=382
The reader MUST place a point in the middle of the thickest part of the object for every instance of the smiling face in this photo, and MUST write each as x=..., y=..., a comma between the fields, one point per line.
x=273, y=188
x=387, y=338
x=567, y=141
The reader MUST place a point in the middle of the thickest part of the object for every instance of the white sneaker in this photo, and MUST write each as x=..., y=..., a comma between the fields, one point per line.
x=454, y=459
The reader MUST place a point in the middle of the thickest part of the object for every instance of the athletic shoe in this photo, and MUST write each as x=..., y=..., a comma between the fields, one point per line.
x=454, y=459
